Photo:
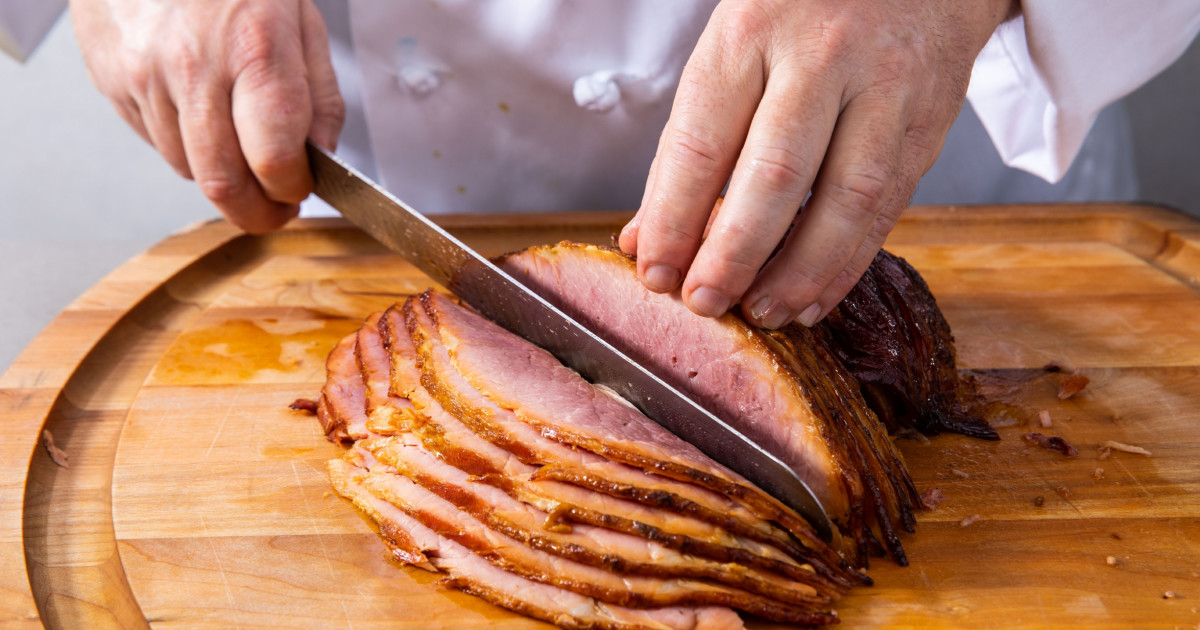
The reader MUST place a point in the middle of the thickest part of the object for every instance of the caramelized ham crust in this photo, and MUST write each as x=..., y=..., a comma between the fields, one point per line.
x=891, y=335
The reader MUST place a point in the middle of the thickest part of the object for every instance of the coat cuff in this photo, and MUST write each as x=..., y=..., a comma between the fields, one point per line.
x=1043, y=77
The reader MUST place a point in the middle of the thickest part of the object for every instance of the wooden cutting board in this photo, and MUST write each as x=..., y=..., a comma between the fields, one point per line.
x=195, y=498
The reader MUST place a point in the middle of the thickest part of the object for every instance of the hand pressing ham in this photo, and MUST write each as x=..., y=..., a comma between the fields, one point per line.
x=226, y=90
x=850, y=100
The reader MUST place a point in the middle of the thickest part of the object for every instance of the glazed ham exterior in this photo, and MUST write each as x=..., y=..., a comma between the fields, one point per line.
x=891, y=335
x=785, y=390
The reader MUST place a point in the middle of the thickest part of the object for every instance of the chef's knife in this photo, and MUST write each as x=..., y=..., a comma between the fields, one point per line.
x=509, y=303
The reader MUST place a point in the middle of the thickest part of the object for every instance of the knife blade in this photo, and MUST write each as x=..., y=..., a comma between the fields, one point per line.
x=504, y=300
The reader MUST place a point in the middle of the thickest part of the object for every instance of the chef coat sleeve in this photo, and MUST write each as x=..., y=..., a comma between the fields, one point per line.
x=24, y=23
x=1042, y=79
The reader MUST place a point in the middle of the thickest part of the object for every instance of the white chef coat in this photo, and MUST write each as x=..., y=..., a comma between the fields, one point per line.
x=527, y=105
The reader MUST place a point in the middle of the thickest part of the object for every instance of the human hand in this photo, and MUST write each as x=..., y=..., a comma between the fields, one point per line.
x=851, y=100
x=226, y=90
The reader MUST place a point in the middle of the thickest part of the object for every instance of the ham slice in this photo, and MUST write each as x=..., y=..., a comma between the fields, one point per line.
x=785, y=389
x=341, y=404
x=472, y=573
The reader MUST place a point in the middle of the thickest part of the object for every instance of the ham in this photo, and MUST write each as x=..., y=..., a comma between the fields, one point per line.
x=785, y=389
x=482, y=458
x=470, y=572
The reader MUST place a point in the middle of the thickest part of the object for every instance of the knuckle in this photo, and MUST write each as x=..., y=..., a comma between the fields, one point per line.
x=696, y=152
x=255, y=43
x=779, y=169
x=743, y=23
x=221, y=189
x=668, y=236
x=330, y=108
x=276, y=160
x=860, y=195
x=732, y=273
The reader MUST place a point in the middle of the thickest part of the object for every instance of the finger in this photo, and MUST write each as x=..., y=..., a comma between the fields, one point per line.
x=784, y=147
x=328, y=108
x=918, y=156
x=850, y=275
x=217, y=163
x=714, y=104
x=162, y=126
x=131, y=113
x=856, y=182
x=272, y=108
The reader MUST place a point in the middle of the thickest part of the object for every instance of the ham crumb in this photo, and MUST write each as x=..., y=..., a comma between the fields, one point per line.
x=57, y=454
x=304, y=404
x=932, y=498
x=1063, y=492
x=970, y=520
x=1044, y=418
x=1110, y=445
x=1071, y=384
x=1054, y=443
x=1111, y=561
x=1098, y=474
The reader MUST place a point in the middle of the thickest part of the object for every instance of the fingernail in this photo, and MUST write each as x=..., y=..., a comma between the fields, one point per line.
x=708, y=302
x=809, y=316
x=660, y=278
x=770, y=314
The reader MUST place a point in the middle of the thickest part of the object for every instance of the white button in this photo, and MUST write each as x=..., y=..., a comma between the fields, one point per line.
x=419, y=79
x=599, y=91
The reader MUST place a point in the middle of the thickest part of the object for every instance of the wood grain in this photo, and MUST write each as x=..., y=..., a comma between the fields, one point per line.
x=194, y=498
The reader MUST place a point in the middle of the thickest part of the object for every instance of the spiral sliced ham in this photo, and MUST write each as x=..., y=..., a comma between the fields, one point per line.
x=483, y=458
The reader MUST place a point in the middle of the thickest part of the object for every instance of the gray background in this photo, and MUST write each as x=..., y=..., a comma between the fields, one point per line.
x=81, y=193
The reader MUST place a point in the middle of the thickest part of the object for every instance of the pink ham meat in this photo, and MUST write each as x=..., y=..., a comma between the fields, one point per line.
x=447, y=437
x=535, y=445
x=785, y=390
x=472, y=573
